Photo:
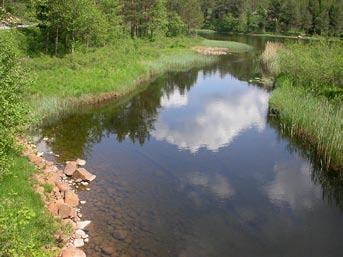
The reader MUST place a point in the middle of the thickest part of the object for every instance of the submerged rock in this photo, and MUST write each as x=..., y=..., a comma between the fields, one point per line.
x=73, y=252
x=120, y=234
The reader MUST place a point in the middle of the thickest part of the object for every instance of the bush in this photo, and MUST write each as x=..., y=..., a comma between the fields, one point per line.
x=12, y=110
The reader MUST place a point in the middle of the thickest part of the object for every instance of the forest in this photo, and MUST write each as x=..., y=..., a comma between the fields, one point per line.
x=64, y=24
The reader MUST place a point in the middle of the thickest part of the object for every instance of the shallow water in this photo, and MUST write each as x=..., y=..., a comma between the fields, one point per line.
x=192, y=166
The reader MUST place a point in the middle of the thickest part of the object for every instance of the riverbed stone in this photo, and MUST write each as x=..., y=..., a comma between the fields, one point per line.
x=83, y=174
x=120, y=234
x=108, y=249
x=71, y=199
x=73, y=252
x=70, y=168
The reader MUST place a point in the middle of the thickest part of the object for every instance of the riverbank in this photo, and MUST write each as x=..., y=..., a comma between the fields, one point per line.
x=62, y=84
x=308, y=97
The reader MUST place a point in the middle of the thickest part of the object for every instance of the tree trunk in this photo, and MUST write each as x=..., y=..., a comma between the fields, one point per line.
x=56, y=42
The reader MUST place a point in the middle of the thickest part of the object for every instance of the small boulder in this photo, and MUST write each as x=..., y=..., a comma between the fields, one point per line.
x=69, y=222
x=81, y=162
x=70, y=168
x=71, y=199
x=78, y=243
x=66, y=211
x=53, y=208
x=80, y=234
x=83, y=224
x=83, y=174
x=73, y=252
x=62, y=186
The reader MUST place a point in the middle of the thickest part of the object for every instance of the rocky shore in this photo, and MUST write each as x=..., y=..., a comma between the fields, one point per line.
x=58, y=186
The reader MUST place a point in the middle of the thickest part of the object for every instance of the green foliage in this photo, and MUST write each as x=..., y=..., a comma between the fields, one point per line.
x=12, y=109
x=176, y=27
x=26, y=230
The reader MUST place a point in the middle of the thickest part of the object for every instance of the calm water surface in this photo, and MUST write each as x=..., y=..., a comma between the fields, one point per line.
x=192, y=166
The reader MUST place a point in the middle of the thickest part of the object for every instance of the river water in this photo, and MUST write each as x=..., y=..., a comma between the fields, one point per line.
x=191, y=166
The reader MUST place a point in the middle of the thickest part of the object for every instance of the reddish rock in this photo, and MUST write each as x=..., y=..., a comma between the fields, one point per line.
x=37, y=160
x=66, y=211
x=69, y=222
x=51, y=178
x=53, y=208
x=73, y=252
x=108, y=250
x=83, y=174
x=71, y=198
x=70, y=168
x=62, y=186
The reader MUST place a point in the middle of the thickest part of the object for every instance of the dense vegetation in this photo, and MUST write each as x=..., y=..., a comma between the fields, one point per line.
x=102, y=46
x=309, y=94
x=12, y=110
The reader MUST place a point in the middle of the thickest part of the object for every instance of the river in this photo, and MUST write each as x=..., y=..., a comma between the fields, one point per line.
x=191, y=166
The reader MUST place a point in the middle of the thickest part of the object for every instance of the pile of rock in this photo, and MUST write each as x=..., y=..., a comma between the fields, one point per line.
x=62, y=201
x=211, y=50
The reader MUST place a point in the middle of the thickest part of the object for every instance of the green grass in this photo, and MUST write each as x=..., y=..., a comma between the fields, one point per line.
x=26, y=230
x=234, y=47
x=315, y=119
x=59, y=83
x=308, y=97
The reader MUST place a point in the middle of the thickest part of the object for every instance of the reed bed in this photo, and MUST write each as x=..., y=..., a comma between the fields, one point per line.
x=308, y=98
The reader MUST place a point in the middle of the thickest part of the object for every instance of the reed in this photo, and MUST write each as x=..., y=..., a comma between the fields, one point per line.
x=308, y=97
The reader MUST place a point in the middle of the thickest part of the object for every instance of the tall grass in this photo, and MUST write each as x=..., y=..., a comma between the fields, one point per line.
x=269, y=57
x=315, y=119
x=308, y=97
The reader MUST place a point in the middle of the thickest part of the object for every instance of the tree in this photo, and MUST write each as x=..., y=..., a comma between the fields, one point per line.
x=67, y=22
x=12, y=109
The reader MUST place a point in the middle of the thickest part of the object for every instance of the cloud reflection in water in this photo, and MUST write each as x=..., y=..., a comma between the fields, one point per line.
x=223, y=115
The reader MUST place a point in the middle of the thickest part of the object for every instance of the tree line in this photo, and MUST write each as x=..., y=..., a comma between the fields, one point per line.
x=313, y=17
x=64, y=24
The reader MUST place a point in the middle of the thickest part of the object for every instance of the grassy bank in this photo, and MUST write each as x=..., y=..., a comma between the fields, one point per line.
x=308, y=97
x=85, y=76
x=26, y=229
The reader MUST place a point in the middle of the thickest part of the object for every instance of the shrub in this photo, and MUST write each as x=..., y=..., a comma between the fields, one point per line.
x=12, y=110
